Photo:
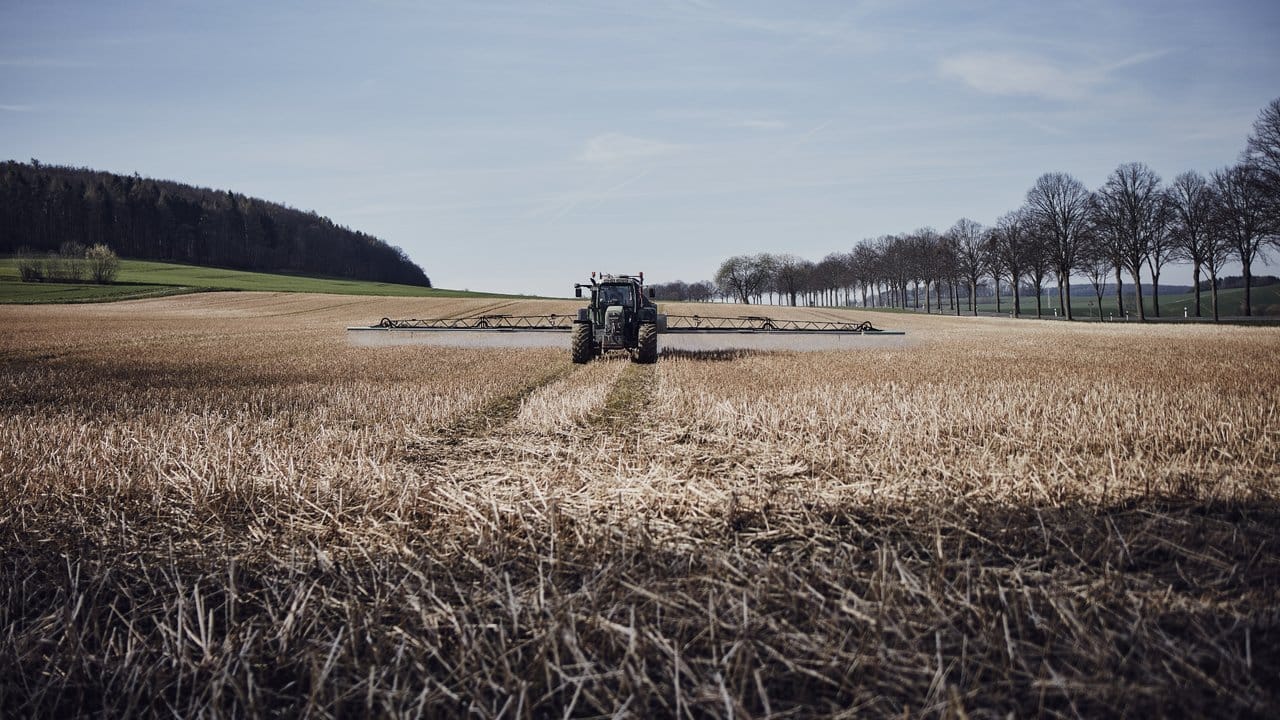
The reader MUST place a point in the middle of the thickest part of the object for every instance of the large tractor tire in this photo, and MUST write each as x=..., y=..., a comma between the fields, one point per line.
x=647, y=344
x=583, y=344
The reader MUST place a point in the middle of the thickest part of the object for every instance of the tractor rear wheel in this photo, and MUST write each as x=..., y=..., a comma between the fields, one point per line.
x=583, y=344
x=647, y=344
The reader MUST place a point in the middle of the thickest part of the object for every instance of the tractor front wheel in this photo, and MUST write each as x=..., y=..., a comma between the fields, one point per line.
x=583, y=344
x=647, y=344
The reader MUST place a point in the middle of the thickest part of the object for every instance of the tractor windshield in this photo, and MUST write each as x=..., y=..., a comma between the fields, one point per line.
x=615, y=295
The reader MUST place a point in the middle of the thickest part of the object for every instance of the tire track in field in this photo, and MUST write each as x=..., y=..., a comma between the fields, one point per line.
x=631, y=392
x=544, y=429
x=502, y=409
x=446, y=444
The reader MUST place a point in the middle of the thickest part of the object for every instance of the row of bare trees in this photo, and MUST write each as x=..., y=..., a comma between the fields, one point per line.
x=1133, y=223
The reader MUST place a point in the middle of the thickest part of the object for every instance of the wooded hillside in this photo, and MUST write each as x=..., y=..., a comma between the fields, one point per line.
x=43, y=206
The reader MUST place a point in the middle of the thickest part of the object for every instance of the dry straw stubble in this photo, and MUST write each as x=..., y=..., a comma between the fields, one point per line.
x=216, y=505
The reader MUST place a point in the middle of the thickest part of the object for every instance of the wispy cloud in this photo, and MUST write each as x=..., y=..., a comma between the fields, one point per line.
x=1026, y=75
x=17, y=108
x=612, y=148
x=1137, y=59
x=1005, y=74
x=561, y=205
x=759, y=124
x=41, y=63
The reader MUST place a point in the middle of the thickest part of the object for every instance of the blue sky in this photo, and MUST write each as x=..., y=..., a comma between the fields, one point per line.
x=517, y=146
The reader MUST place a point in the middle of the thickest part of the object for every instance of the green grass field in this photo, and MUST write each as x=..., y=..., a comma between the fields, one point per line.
x=1266, y=301
x=141, y=278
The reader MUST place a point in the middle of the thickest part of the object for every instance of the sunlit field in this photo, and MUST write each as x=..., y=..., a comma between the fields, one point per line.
x=219, y=505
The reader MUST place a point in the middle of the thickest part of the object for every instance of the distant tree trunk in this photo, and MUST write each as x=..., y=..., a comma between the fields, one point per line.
x=973, y=296
x=1137, y=289
x=1195, y=278
x=1248, y=287
x=1017, y=301
x=1155, y=292
x=1119, y=293
x=997, y=282
x=1213, y=290
x=1039, y=302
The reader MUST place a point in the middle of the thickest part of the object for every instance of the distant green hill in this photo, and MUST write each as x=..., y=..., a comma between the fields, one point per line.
x=45, y=206
x=143, y=279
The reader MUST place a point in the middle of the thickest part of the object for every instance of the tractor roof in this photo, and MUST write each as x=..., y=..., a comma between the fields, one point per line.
x=620, y=279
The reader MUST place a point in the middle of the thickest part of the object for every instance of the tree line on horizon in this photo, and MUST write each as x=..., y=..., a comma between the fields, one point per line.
x=43, y=207
x=1063, y=230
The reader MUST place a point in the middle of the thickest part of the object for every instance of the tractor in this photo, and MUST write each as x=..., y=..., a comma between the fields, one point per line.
x=620, y=316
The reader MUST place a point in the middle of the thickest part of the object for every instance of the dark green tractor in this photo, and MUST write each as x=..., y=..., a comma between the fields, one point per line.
x=621, y=316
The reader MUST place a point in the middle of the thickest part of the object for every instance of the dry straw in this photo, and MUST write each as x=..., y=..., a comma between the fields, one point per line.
x=215, y=506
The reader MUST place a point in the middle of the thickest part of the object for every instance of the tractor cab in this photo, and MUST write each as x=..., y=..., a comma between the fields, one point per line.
x=620, y=294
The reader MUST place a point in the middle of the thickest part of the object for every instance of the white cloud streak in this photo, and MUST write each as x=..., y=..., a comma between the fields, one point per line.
x=1025, y=75
x=1005, y=74
x=760, y=124
x=41, y=63
x=615, y=148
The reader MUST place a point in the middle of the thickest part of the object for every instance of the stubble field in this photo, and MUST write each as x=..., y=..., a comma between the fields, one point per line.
x=217, y=505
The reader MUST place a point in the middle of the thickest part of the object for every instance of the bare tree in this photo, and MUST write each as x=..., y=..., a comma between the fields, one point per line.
x=851, y=277
x=104, y=265
x=1241, y=213
x=995, y=283
x=1114, y=253
x=1160, y=246
x=945, y=269
x=866, y=261
x=766, y=267
x=1217, y=253
x=674, y=290
x=744, y=277
x=788, y=276
x=995, y=267
x=1263, y=152
x=1128, y=214
x=1010, y=243
x=1060, y=205
x=1191, y=213
x=896, y=251
x=924, y=263
x=1097, y=264
x=829, y=277
x=808, y=280
x=1039, y=254
x=970, y=249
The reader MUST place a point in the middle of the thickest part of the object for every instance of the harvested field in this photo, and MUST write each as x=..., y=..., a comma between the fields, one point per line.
x=217, y=505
